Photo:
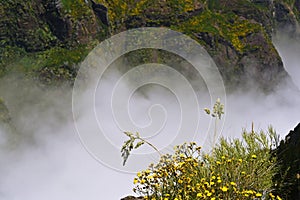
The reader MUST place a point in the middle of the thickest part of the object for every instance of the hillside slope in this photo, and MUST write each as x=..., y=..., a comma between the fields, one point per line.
x=47, y=37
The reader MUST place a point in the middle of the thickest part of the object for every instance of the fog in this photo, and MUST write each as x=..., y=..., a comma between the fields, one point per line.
x=44, y=157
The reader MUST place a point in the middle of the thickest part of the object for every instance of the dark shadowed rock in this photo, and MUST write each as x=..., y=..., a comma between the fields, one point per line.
x=287, y=16
x=132, y=198
x=288, y=154
x=101, y=12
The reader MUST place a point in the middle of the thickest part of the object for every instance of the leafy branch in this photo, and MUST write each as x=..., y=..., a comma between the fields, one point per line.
x=131, y=144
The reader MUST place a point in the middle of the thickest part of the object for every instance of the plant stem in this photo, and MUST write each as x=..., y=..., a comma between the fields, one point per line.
x=151, y=145
x=215, y=133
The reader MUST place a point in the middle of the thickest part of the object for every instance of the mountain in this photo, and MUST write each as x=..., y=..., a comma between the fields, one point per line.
x=48, y=38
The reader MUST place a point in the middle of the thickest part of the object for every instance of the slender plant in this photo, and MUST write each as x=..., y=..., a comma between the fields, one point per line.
x=217, y=112
x=135, y=141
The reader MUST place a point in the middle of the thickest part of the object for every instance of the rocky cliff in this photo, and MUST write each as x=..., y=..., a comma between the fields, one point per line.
x=48, y=38
x=288, y=154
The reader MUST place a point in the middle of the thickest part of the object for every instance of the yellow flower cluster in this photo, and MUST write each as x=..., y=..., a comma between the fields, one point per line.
x=190, y=175
x=227, y=26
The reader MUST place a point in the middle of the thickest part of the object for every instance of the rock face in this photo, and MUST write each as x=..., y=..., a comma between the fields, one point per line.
x=288, y=154
x=287, y=16
x=237, y=33
x=55, y=34
x=37, y=25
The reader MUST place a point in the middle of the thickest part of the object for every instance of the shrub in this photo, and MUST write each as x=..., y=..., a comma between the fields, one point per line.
x=234, y=169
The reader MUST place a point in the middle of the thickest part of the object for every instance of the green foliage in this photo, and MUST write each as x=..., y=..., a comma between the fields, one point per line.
x=8, y=55
x=57, y=63
x=77, y=9
x=226, y=25
x=218, y=109
x=120, y=11
x=131, y=144
x=237, y=169
x=53, y=57
x=58, y=56
x=234, y=169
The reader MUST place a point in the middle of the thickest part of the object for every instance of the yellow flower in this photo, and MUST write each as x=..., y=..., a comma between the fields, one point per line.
x=258, y=194
x=254, y=156
x=198, y=195
x=224, y=188
x=278, y=197
x=271, y=195
x=135, y=181
x=233, y=183
x=250, y=191
x=150, y=177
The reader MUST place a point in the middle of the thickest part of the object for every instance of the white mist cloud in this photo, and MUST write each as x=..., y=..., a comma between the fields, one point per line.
x=49, y=162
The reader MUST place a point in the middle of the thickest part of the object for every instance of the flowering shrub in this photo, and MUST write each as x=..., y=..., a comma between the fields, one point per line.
x=235, y=169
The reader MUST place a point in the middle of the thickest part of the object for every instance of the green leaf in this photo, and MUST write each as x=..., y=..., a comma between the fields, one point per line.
x=139, y=144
